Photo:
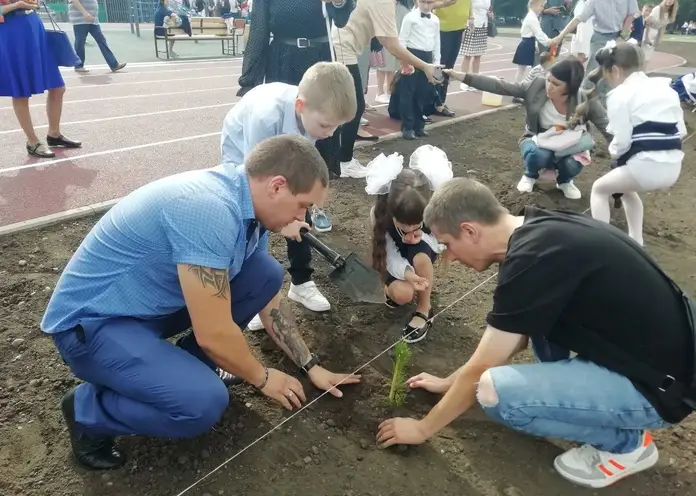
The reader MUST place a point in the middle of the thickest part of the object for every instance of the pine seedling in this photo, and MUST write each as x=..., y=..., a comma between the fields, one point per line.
x=397, y=392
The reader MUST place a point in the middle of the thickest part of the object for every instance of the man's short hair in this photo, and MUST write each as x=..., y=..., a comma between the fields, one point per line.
x=291, y=156
x=462, y=200
x=328, y=88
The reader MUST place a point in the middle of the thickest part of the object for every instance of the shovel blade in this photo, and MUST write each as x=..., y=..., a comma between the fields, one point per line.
x=358, y=281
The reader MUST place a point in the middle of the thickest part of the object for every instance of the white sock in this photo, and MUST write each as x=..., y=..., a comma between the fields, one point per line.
x=619, y=180
x=521, y=73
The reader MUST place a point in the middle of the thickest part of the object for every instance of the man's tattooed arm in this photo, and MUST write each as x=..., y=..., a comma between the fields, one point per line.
x=215, y=279
x=283, y=331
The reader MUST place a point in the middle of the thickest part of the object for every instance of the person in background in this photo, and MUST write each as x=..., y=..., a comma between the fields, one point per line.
x=551, y=102
x=554, y=16
x=28, y=67
x=545, y=61
x=370, y=19
x=638, y=27
x=580, y=44
x=647, y=121
x=420, y=34
x=475, y=41
x=612, y=20
x=84, y=16
x=322, y=101
x=299, y=40
x=454, y=18
x=660, y=17
x=386, y=73
x=629, y=323
x=531, y=33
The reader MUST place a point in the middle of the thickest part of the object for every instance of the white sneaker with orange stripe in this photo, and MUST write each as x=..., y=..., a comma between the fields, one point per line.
x=587, y=466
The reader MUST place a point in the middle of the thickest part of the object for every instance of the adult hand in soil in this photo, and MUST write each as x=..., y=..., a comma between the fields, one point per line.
x=419, y=283
x=400, y=431
x=428, y=382
x=292, y=230
x=452, y=74
x=325, y=380
x=284, y=389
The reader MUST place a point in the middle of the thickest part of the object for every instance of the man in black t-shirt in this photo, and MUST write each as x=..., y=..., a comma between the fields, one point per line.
x=566, y=282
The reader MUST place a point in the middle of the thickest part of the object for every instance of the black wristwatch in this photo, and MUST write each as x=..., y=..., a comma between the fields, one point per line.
x=314, y=360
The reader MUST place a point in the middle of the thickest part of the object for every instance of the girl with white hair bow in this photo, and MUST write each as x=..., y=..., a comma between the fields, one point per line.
x=403, y=248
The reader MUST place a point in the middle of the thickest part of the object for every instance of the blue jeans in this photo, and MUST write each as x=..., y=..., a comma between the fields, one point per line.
x=573, y=399
x=137, y=382
x=536, y=159
x=81, y=31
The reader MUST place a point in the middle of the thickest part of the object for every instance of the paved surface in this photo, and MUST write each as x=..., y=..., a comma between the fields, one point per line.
x=153, y=120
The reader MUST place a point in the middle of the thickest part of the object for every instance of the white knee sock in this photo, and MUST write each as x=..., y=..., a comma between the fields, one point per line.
x=619, y=180
x=521, y=73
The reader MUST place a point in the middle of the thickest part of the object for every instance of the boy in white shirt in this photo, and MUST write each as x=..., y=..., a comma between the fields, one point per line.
x=420, y=34
x=324, y=100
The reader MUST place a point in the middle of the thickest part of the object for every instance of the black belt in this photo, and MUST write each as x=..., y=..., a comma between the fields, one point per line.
x=303, y=42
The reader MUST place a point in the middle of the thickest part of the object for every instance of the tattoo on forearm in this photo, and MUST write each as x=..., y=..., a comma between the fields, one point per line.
x=286, y=335
x=214, y=278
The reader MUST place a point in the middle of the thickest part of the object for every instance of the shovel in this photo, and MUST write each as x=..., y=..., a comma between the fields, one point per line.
x=356, y=280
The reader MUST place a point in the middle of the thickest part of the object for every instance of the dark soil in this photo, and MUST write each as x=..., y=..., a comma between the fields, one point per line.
x=329, y=449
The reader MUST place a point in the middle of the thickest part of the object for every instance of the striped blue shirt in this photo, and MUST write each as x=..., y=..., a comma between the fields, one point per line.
x=127, y=264
x=76, y=17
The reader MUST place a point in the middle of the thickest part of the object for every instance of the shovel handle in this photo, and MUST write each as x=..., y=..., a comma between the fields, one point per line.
x=329, y=254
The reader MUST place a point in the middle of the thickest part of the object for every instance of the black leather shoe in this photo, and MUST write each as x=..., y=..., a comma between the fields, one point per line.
x=62, y=142
x=421, y=133
x=409, y=135
x=92, y=452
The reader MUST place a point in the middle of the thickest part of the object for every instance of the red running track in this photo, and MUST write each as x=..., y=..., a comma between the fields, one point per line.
x=153, y=120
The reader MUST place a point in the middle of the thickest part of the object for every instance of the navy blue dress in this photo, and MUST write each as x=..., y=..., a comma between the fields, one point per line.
x=524, y=55
x=27, y=65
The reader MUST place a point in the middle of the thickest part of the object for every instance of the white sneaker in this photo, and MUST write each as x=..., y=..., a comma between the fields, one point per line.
x=383, y=98
x=308, y=294
x=364, y=122
x=255, y=324
x=589, y=467
x=353, y=169
x=570, y=190
x=526, y=184
x=464, y=87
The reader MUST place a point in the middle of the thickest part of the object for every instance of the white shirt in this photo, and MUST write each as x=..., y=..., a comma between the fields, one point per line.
x=583, y=33
x=479, y=11
x=641, y=99
x=265, y=111
x=549, y=116
x=421, y=33
x=532, y=28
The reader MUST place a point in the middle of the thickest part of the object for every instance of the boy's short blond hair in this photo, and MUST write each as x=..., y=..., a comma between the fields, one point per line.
x=328, y=88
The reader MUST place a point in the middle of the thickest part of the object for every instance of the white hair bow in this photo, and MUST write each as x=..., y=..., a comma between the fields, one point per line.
x=428, y=159
x=433, y=163
x=381, y=171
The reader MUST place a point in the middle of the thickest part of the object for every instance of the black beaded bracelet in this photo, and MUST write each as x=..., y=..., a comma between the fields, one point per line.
x=265, y=379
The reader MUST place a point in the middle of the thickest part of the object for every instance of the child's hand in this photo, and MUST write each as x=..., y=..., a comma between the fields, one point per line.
x=419, y=283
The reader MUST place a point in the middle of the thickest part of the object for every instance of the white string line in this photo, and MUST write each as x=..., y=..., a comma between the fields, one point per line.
x=325, y=393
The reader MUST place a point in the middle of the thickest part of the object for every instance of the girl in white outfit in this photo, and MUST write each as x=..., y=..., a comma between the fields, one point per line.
x=647, y=122
x=663, y=14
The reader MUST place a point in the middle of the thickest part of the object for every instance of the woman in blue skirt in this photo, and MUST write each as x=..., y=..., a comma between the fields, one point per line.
x=27, y=67
x=531, y=34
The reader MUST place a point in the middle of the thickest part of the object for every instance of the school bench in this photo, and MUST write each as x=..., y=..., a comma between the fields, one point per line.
x=205, y=29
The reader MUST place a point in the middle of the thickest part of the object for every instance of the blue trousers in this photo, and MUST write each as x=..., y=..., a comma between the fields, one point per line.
x=81, y=31
x=573, y=399
x=536, y=159
x=137, y=382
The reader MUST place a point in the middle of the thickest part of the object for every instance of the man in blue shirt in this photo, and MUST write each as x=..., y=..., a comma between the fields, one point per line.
x=186, y=251
x=324, y=99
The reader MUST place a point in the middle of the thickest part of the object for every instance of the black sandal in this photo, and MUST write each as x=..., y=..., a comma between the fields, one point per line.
x=412, y=334
x=35, y=151
x=62, y=142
